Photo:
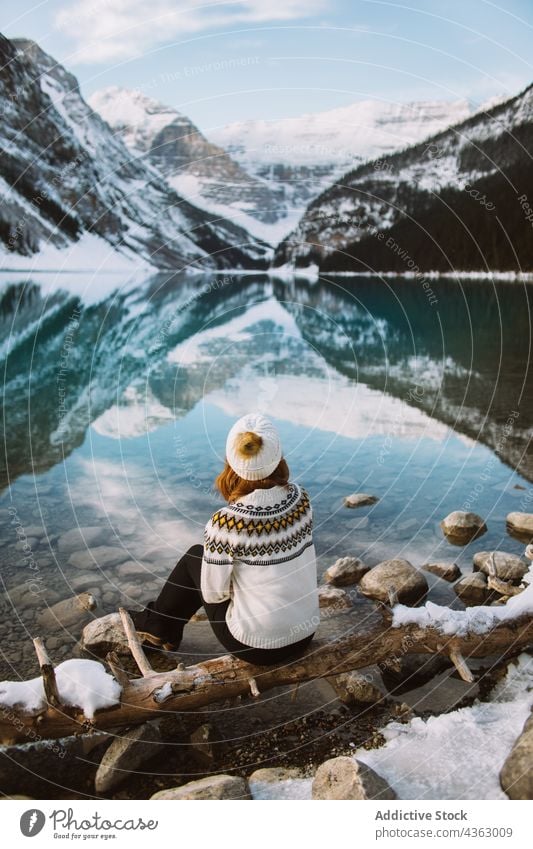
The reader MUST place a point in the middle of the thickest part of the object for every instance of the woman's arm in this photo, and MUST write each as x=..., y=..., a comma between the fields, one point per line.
x=217, y=562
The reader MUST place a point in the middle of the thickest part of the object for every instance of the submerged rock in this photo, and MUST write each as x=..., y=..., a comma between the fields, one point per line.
x=508, y=567
x=69, y=612
x=516, y=776
x=446, y=571
x=345, y=571
x=79, y=538
x=102, y=555
x=360, y=499
x=347, y=778
x=125, y=754
x=473, y=589
x=521, y=526
x=397, y=576
x=460, y=527
x=212, y=787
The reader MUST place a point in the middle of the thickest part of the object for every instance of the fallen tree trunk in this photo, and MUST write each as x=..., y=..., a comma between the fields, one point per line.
x=184, y=689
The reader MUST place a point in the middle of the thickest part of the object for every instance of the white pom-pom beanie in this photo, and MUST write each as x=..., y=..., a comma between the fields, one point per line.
x=262, y=464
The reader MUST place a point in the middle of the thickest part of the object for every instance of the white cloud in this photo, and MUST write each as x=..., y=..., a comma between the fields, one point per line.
x=110, y=30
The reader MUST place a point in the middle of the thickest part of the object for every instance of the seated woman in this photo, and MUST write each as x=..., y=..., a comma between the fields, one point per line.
x=255, y=574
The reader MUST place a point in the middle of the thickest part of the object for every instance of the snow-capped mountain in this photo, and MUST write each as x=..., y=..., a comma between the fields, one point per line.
x=264, y=173
x=461, y=200
x=196, y=168
x=71, y=189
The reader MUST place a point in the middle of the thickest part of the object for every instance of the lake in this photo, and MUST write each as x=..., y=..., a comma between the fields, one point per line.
x=118, y=395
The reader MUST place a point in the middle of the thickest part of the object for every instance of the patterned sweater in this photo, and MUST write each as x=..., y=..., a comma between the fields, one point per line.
x=259, y=553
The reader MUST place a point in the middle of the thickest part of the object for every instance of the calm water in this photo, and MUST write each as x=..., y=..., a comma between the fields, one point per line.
x=118, y=396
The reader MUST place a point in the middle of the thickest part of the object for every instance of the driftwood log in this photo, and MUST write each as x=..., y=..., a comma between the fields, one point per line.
x=183, y=689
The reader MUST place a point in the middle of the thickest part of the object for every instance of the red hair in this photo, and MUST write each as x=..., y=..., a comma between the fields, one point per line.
x=232, y=486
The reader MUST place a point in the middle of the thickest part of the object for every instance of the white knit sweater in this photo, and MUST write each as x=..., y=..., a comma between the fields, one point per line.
x=259, y=552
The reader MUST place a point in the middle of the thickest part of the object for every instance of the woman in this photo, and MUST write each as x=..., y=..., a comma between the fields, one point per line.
x=255, y=575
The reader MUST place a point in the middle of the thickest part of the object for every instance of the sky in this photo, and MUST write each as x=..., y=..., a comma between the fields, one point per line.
x=220, y=62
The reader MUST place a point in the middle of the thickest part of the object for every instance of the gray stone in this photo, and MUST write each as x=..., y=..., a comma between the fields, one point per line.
x=521, y=525
x=333, y=598
x=360, y=499
x=205, y=744
x=508, y=567
x=83, y=581
x=473, y=590
x=516, y=776
x=69, y=612
x=446, y=571
x=352, y=688
x=32, y=593
x=346, y=571
x=396, y=575
x=28, y=544
x=347, y=778
x=212, y=787
x=102, y=555
x=105, y=634
x=35, y=531
x=460, y=527
x=125, y=754
x=79, y=538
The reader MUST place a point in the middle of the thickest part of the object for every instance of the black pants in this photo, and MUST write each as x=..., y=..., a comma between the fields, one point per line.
x=181, y=597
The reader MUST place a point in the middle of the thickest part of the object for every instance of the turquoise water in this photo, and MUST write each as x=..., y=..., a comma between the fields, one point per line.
x=118, y=396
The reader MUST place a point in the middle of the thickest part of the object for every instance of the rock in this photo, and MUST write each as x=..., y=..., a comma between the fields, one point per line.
x=212, y=787
x=516, y=776
x=347, y=778
x=205, y=745
x=333, y=598
x=69, y=612
x=473, y=589
x=32, y=593
x=446, y=571
x=125, y=754
x=271, y=775
x=28, y=544
x=102, y=555
x=509, y=567
x=79, y=538
x=396, y=575
x=521, y=525
x=132, y=567
x=346, y=571
x=35, y=531
x=360, y=499
x=412, y=671
x=352, y=688
x=83, y=581
x=460, y=527
x=103, y=635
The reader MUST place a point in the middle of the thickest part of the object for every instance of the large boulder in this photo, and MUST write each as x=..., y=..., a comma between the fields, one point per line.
x=397, y=576
x=126, y=753
x=69, y=612
x=460, y=527
x=508, y=567
x=516, y=776
x=345, y=571
x=347, y=778
x=103, y=635
x=447, y=571
x=360, y=499
x=473, y=589
x=211, y=787
x=520, y=525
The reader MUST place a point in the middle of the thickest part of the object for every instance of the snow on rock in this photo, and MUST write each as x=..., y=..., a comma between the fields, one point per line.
x=80, y=683
x=475, y=620
x=457, y=755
